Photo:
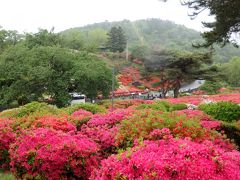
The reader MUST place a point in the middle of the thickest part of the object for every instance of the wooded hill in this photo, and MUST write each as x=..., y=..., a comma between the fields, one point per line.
x=156, y=33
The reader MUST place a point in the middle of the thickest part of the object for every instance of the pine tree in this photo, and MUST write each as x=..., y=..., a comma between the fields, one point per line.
x=117, y=39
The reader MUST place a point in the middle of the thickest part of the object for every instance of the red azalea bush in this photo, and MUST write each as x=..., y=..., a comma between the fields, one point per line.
x=171, y=159
x=49, y=154
x=57, y=123
x=7, y=137
x=143, y=122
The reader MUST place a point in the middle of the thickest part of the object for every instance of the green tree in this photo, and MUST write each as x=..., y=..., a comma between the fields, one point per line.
x=117, y=40
x=8, y=38
x=73, y=39
x=139, y=51
x=34, y=74
x=42, y=38
x=176, y=68
x=232, y=72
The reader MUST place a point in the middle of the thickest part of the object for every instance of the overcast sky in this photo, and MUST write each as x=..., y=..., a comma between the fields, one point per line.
x=29, y=15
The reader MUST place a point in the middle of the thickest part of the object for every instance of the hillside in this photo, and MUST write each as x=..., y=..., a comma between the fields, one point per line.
x=160, y=34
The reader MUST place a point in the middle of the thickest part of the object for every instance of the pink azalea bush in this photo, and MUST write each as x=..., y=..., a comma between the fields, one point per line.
x=80, y=117
x=103, y=135
x=109, y=119
x=211, y=124
x=171, y=159
x=82, y=113
x=45, y=153
x=7, y=136
x=102, y=127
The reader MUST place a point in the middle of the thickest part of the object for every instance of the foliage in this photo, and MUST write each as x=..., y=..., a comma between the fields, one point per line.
x=45, y=153
x=211, y=87
x=94, y=108
x=232, y=130
x=143, y=122
x=139, y=51
x=226, y=20
x=6, y=176
x=165, y=34
x=42, y=38
x=117, y=39
x=50, y=73
x=90, y=41
x=176, y=68
x=171, y=159
x=30, y=108
x=232, y=71
x=163, y=106
x=225, y=111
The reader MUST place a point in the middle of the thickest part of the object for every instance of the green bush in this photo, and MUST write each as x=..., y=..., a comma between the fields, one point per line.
x=225, y=111
x=163, y=106
x=211, y=87
x=30, y=108
x=94, y=108
x=176, y=107
x=232, y=130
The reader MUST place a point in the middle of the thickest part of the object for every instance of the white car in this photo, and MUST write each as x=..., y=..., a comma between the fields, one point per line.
x=77, y=98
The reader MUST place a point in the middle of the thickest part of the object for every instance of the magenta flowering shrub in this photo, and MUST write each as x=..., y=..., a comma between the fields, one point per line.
x=110, y=119
x=7, y=137
x=171, y=159
x=57, y=123
x=102, y=128
x=211, y=124
x=197, y=114
x=49, y=154
x=103, y=135
x=80, y=117
x=158, y=134
x=82, y=113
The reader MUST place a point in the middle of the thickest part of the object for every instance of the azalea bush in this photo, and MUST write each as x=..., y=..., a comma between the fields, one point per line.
x=80, y=117
x=102, y=128
x=7, y=137
x=225, y=111
x=143, y=122
x=30, y=109
x=49, y=154
x=94, y=108
x=57, y=123
x=171, y=159
x=162, y=106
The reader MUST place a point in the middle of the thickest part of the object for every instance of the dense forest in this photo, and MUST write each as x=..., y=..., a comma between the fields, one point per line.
x=154, y=33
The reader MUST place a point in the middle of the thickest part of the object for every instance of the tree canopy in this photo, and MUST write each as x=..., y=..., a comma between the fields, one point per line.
x=177, y=68
x=50, y=72
x=117, y=40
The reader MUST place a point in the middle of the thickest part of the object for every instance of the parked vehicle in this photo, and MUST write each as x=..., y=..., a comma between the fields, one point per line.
x=77, y=98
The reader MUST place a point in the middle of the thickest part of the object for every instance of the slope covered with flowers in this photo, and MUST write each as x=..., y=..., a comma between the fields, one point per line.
x=136, y=140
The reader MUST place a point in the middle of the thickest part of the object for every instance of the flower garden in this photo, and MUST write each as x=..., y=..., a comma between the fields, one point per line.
x=138, y=139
